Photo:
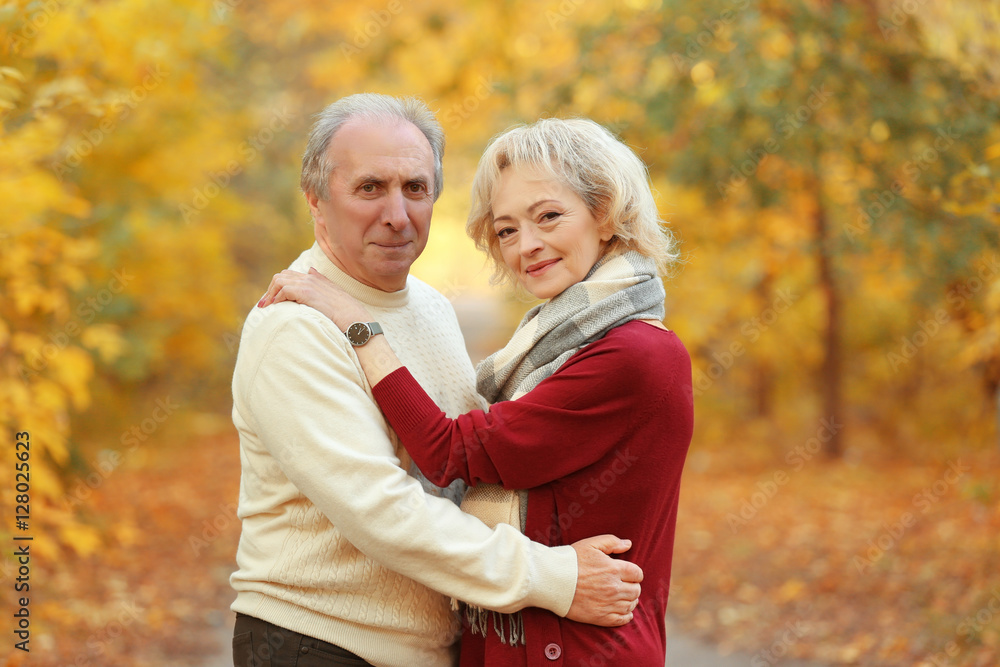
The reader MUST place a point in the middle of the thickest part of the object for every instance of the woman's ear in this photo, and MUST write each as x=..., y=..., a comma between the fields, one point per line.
x=607, y=231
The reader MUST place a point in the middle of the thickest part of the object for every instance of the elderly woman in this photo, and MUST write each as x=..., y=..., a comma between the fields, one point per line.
x=591, y=412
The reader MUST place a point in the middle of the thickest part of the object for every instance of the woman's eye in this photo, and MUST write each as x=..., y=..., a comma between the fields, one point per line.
x=551, y=215
x=505, y=232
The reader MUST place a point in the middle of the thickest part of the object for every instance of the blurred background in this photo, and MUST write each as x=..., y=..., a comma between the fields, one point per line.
x=831, y=171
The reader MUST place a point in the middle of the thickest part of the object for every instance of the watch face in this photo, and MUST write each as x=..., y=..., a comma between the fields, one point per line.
x=358, y=333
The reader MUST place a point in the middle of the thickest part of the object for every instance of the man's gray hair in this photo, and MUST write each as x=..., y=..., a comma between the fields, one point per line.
x=316, y=165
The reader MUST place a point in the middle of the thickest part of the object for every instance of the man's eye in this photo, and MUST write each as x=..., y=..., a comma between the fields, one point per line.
x=416, y=187
x=368, y=187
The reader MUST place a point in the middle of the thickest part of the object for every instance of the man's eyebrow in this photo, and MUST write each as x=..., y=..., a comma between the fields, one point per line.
x=368, y=178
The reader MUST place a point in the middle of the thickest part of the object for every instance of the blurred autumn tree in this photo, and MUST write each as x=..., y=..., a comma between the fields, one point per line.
x=830, y=171
x=842, y=163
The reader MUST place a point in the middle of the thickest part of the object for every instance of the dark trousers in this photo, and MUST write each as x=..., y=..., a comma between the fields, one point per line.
x=257, y=643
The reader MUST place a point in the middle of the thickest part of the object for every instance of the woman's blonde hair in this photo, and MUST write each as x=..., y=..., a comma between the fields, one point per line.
x=605, y=173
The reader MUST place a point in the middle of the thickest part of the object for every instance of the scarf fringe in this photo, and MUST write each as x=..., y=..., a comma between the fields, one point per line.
x=508, y=627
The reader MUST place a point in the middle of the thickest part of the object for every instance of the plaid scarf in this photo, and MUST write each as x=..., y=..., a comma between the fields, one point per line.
x=619, y=288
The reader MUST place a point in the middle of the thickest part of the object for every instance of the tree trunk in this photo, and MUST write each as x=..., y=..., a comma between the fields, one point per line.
x=831, y=371
x=763, y=373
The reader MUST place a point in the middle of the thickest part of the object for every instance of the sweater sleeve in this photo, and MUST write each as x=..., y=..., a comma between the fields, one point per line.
x=308, y=403
x=566, y=423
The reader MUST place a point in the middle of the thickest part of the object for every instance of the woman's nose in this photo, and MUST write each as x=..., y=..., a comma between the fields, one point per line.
x=530, y=242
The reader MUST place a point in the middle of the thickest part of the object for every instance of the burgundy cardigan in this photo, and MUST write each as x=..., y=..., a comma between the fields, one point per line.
x=599, y=445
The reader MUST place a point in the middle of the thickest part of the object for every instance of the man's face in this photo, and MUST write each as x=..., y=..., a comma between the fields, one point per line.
x=376, y=221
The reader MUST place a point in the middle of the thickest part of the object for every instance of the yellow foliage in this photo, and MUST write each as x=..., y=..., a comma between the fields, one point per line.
x=105, y=339
x=83, y=539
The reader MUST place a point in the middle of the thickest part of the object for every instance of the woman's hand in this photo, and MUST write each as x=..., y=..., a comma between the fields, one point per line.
x=315, y=290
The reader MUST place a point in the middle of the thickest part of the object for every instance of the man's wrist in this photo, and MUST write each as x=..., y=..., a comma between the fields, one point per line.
x=554, y=572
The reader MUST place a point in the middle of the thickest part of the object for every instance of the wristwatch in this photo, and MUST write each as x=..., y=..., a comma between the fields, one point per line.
x=360, y=333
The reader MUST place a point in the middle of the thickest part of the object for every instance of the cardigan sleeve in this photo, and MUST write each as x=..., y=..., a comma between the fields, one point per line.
x=308, y=402
x=569, y=421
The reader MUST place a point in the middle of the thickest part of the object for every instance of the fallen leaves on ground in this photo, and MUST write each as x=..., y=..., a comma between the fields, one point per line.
x=889, y=564
x=894, y=564
x=156, y=592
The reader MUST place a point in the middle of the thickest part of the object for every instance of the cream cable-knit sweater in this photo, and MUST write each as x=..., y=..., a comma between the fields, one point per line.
x=338, y=541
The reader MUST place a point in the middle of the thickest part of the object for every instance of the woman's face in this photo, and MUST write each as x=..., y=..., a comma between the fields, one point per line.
x=548, y=237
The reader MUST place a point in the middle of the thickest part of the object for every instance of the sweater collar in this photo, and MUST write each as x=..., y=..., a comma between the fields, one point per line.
x=370, y=296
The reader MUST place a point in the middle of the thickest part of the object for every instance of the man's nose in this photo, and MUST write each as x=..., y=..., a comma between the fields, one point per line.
x=395, y=214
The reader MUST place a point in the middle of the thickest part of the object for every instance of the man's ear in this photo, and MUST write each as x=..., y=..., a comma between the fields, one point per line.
x=313, y=202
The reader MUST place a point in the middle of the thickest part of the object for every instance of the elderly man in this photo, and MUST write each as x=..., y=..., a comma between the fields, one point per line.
x=346, y=558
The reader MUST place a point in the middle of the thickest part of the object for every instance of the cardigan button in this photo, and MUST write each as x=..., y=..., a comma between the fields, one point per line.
x=553, y=651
